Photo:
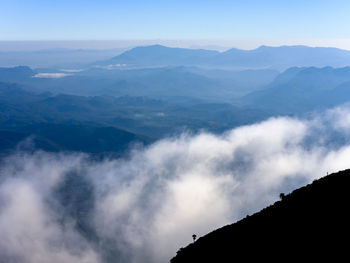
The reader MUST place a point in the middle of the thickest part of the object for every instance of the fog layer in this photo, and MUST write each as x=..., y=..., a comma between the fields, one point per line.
x=147, y=205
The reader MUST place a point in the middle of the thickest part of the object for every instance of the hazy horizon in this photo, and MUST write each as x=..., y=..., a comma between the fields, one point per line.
x=219, y=45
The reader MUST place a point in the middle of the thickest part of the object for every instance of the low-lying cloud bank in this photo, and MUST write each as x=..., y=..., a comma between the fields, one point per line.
x=145, y=207
x=51, y=75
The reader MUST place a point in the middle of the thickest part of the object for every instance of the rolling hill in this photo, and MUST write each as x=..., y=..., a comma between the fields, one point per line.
x=303, y=89
x=70, y=137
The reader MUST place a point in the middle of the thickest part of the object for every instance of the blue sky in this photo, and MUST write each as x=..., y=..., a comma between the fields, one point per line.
x=220, y=20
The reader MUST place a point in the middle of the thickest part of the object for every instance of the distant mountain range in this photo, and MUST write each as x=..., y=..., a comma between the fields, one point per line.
x=164, y=82
x=163, y=91
x=310, y=224
x=280, y=58
x=155, y=102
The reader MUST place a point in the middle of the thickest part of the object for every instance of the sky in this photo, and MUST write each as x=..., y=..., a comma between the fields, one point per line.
x=225, y=22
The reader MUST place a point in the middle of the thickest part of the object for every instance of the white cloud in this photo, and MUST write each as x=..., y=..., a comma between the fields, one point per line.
x=72, y=70
x=51, y=75
x=29, y=226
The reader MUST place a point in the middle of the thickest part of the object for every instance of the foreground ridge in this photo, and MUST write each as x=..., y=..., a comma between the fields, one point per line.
x=312, y=223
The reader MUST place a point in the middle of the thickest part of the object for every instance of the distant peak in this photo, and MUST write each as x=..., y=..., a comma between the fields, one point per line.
x=281, y=47
x=156, y=46
x=263, y=46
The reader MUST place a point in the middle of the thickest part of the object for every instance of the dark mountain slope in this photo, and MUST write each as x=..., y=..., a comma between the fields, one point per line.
x=311, y=223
